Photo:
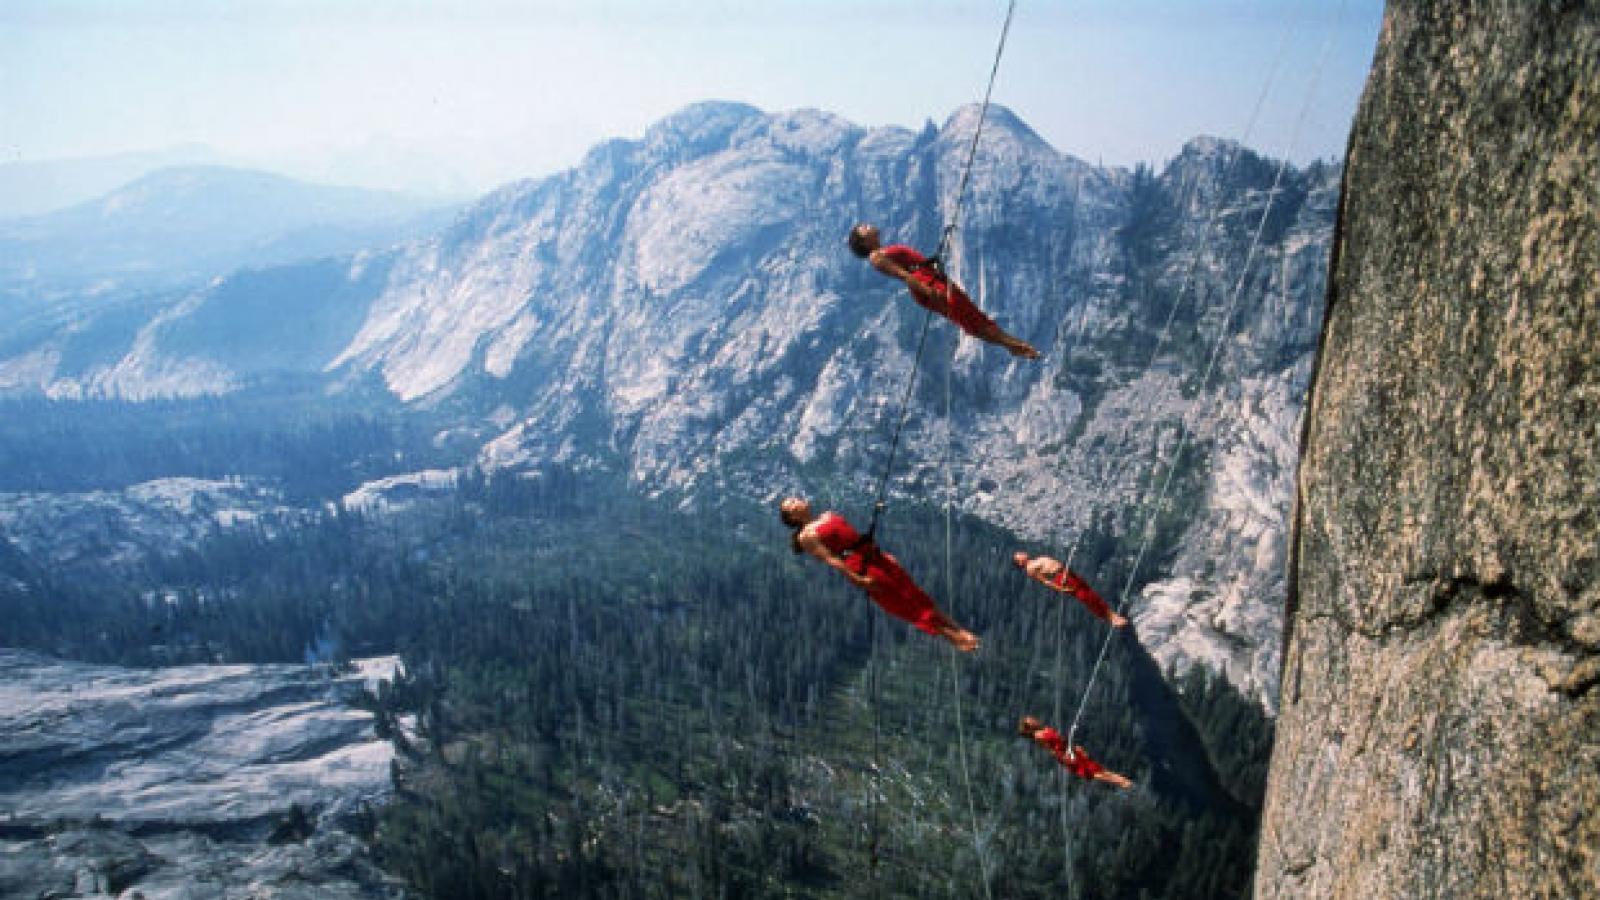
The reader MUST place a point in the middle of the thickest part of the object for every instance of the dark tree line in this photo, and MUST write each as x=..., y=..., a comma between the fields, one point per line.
x=308, y=447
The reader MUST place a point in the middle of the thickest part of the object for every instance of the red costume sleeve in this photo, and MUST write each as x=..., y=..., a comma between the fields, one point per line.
x=1051, y=740
x=958, y=307
x=892, y=589
x=1078, y=763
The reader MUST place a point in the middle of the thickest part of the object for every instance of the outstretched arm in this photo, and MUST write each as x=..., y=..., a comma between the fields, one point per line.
x=1036, y=574
x=885, y=264
x=814, y=546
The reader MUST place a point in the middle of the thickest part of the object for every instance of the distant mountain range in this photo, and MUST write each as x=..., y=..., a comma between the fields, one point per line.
x=176, y=225
x=681, y=310
x=35, y=187
x=38, y=186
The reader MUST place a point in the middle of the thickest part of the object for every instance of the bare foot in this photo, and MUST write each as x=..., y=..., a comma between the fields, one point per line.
x=1118, y=621
x=964, y=640
x=1023, y=350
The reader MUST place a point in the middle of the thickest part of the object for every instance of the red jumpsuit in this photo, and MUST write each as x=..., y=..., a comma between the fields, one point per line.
x=958, y=307
x=1076, y=761
x=892, y=589
x=1077, y=587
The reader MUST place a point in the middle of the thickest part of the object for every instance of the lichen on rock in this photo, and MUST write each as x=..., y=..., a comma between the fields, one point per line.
x=1440, y=732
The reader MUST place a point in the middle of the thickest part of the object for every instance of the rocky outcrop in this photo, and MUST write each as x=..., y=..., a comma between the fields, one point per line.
x=120, y=529
x=187, y=781
x=1440, y=726
x=104, y=861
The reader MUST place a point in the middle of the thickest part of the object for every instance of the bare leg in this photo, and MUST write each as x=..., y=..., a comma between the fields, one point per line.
x=995, y=335
x=1112, y=778
x=964, y=640
x=1075, y=587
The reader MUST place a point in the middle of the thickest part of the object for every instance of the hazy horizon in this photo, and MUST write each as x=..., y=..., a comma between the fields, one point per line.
x=430, y=98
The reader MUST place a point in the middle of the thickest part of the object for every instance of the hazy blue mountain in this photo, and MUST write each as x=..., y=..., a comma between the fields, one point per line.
x=33, y=187
x=180, y=224
x=254, y=324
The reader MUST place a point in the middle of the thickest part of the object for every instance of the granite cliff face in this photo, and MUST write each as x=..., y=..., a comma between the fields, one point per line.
x=1440, y=728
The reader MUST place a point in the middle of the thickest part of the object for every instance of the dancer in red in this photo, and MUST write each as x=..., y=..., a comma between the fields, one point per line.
x=830, y=538
x=932, y=290
x=1076, y=760
x=1054, y=574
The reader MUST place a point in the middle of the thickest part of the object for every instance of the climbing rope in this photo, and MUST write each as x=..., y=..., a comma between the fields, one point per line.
x=1162, y=337
x=877, y=758
x=881, y=500
x=949, y=593
x=1203, y=246
x=879, y=504
x=1061, y=773
x=936, y=261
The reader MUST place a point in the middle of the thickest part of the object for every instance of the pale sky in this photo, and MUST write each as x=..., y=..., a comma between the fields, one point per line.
x=420, y=94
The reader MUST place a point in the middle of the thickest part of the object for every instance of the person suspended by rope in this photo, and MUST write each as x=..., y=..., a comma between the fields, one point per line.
x=1054, y=574
x=830, y=538
x=1074, y=759
x=932, y=289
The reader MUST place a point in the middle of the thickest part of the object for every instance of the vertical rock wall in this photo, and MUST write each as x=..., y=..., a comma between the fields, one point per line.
x=1440, y=727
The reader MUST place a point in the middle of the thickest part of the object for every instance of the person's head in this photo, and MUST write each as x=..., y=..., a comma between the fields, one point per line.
x=794, y=512
x=863, y=240
x=1028, y=726
x=1020, y=558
